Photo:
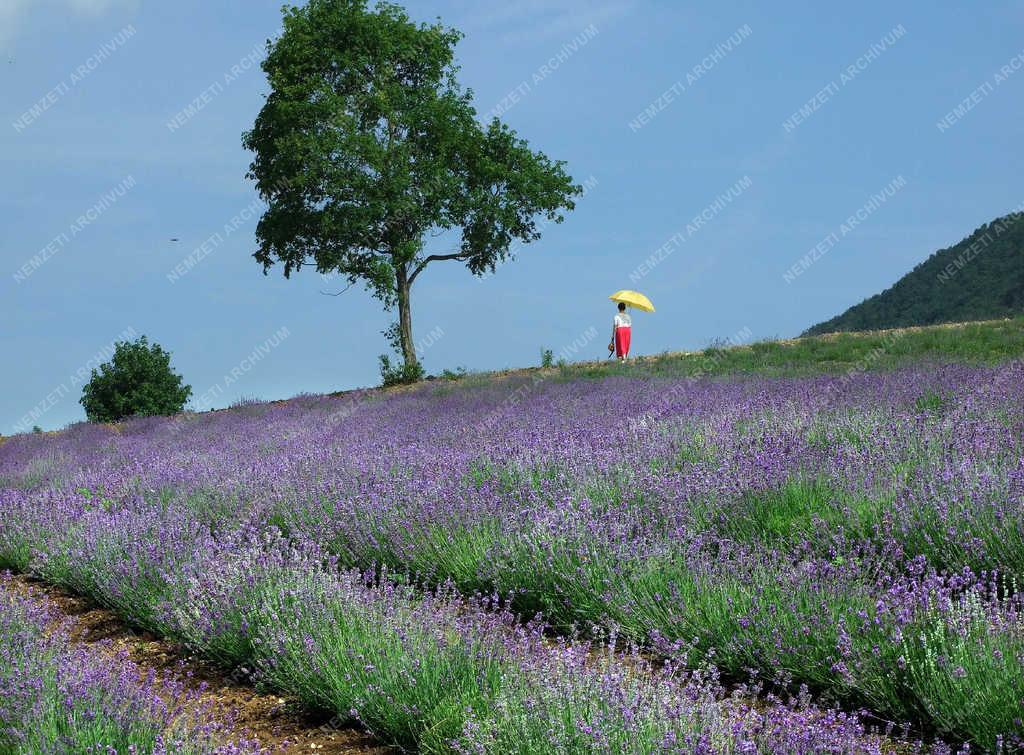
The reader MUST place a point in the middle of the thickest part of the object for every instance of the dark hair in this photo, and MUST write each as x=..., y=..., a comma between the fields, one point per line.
x=622, y=306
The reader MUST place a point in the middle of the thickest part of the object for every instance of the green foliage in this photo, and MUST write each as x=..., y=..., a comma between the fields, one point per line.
x=547, y=358
x=932, y=402
x=367, y=146
x=36, y=429
x=980, y=278
x=137, y=382
x=398, y=374
x=800, y=511
x=457, y=374
x=971, y=677
x=412, y=684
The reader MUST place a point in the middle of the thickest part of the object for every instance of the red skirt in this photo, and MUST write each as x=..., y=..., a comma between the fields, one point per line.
x=622, y=342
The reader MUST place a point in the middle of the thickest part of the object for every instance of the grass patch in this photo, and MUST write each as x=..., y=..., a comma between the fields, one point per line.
x=799, y=511
x=980, y=343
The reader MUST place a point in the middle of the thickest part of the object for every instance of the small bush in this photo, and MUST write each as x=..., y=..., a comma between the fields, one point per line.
x=137, y=382
x=399, y=374
x=394, y=373
x=547, y=358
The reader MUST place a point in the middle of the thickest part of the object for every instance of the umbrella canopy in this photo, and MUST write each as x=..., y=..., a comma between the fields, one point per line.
x=633, y=299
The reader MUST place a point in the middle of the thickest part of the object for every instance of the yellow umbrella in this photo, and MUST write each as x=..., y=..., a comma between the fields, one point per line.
x=633, y=299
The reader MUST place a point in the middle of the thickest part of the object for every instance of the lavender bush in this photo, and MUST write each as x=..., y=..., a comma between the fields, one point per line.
x=57, y=698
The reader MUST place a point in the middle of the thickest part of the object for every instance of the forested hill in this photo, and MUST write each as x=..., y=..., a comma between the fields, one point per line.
x=981, y=278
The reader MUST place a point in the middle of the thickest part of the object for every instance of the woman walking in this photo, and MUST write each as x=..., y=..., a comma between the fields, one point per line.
x=622, y=328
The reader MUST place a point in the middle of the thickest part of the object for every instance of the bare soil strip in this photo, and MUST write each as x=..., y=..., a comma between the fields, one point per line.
x=275, y=722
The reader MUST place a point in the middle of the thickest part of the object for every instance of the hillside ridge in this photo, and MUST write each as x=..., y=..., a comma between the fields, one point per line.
x=979, y=278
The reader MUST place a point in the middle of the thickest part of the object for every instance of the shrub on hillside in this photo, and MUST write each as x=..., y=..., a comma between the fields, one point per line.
x=398, y=372
x=137, y=382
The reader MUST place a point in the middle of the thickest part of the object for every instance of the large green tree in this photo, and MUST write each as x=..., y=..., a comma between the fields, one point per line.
x=367, y=149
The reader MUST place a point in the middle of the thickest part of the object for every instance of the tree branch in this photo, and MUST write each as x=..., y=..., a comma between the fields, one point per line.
x=325, y=293
x=437, y=258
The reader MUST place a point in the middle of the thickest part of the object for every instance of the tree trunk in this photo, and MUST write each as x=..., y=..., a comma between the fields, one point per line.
x=405, y=316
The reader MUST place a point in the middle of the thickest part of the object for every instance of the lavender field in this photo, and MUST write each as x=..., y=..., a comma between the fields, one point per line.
x=553, y=563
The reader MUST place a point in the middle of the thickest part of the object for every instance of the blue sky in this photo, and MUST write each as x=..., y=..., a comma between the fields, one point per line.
x=706, y=183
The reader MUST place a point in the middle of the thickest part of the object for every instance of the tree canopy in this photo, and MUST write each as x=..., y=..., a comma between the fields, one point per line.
x=138, y=381
x=367, y=150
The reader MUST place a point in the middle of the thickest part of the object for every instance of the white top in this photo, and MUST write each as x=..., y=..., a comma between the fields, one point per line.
x=623, y=320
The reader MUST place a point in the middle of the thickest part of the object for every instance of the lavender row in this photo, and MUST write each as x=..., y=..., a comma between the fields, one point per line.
x=431, y=671
x=57, y=698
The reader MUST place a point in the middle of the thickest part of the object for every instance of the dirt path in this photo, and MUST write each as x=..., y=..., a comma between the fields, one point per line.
x=273, y=721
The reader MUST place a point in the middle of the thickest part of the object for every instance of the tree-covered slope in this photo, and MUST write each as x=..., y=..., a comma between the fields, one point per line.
x=980, y=278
